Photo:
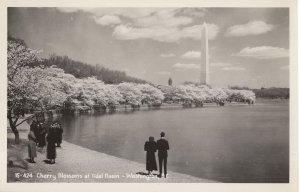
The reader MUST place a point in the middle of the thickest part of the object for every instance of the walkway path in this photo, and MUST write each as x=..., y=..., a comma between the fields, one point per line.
x=78, y=164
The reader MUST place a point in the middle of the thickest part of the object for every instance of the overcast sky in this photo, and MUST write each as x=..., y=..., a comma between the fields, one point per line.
x=247, y=47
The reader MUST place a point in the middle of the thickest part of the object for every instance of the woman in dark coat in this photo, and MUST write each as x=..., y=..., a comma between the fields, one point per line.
x=31, y=146
x=150, y=147
x=51, y=139
x=35, y=130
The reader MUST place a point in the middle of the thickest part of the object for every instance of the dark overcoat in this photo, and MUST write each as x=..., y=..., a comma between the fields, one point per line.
x=150, y=147
x=162, y=147
x=42, y=135
x=51, y=149
x=59, y=131
x=31, y=145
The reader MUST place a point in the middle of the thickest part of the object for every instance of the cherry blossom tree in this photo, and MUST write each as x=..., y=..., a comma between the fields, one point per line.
x=150, y=94
x=131, y=94
x=21, y=83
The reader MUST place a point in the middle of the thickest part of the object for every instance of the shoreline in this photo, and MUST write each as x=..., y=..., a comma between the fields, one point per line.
x=76, y=164
x=164, y=106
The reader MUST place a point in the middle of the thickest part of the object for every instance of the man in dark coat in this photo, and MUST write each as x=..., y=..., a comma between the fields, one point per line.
x=51, y=139
x=58, y=131
x=162, y=147
x=42, y=135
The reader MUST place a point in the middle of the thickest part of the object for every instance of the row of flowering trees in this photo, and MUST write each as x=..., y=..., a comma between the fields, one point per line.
x=199, y=94
x=50, y=86
x=59, y=87
x=54, y=87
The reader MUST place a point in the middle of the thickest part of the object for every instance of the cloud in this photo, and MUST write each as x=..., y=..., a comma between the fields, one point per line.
x=139, y=17
x=227, y=67
x=166, y=55
x=163, y=34
x=191, y=55
x=186, y=66
x=194, y=12
x=159, y=24
x=285, y=67
x=256, y=78
x=263, y=52
x=108, y=20
x=111, y=16
x=126, y=32
x=233, y=69
x=145, y=16
x=163, y=73
x=251, y=28
x=131, y=13
x=68, y=9
x=194, y=31
x=220, y=64
x=163, y=18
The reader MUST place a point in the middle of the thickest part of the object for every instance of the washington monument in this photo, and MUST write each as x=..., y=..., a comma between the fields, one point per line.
x=204, y=66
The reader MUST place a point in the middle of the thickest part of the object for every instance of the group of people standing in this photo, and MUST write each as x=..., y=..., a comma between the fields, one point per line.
x=40, y=135
x=162, y=146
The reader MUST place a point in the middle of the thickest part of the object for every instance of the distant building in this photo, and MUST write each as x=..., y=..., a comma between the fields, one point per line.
x=170, y=82
x=204, y=74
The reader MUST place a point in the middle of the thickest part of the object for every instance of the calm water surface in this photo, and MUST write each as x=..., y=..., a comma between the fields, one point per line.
x=226, y=144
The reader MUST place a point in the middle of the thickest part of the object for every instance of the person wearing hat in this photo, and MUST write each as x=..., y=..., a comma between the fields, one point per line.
x=162, y=147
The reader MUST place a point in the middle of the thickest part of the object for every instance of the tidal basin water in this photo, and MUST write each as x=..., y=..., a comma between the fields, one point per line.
x=248, y=144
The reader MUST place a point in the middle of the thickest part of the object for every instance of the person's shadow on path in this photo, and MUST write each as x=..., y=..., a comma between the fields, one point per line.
x=146, y=174
x=47, y=161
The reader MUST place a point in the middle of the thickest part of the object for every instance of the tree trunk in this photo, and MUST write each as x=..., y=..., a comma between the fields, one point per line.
x=13, y=127
x=16, y=132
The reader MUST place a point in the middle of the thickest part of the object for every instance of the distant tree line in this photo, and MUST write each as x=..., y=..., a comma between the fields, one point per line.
x=19, y=41
x=273, y=93
x=84, y=70
x=268, y=93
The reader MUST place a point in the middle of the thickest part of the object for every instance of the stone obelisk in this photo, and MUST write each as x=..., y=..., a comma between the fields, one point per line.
x=204, y=67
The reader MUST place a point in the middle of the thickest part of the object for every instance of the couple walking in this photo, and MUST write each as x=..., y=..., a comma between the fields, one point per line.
x=162, y=145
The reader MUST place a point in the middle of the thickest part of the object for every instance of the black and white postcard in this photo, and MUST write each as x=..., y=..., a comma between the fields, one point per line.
x=204, y=95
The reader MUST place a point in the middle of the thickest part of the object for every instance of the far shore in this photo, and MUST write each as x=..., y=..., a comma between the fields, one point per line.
x=174, y=105
x=121, y=108
x=77, y=164
x=124, y=108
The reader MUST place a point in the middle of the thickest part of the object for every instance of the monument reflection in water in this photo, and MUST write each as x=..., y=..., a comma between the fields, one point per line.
x=230, y=144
